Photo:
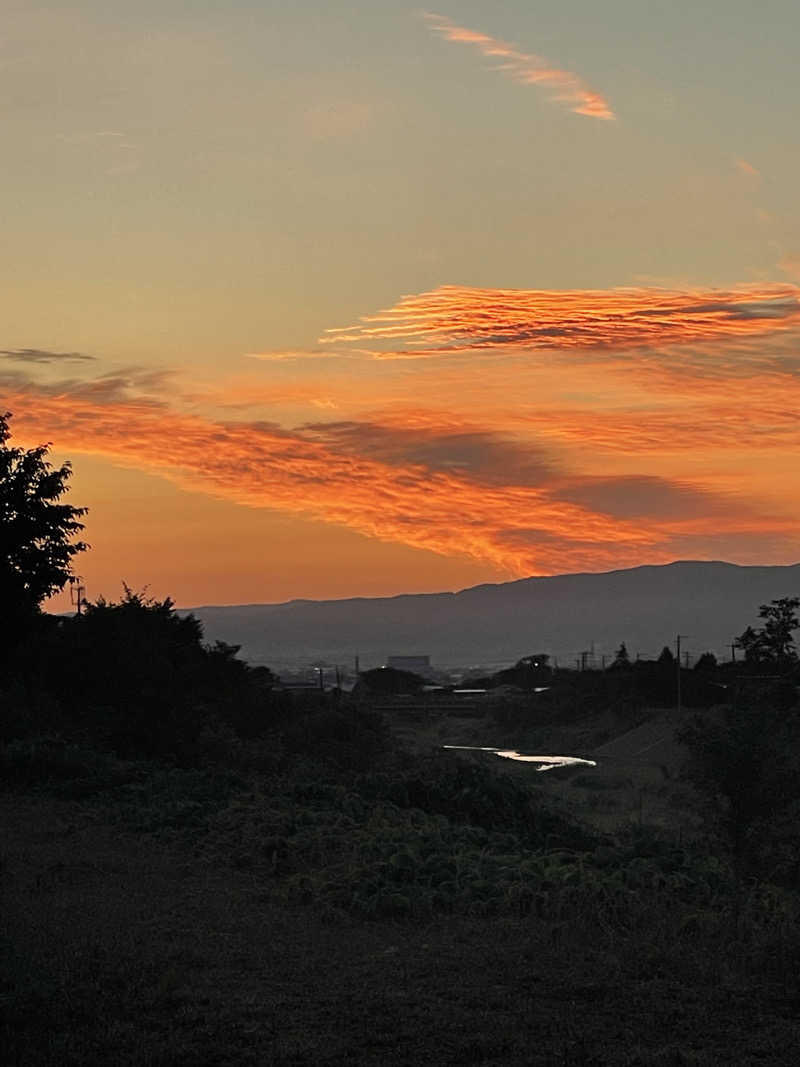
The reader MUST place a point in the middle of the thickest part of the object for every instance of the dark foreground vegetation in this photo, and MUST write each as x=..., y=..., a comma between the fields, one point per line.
x=200, y=868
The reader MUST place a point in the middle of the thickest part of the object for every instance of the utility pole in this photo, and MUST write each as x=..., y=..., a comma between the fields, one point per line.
x=678, y=663
x=78, y=597
x=733, y=651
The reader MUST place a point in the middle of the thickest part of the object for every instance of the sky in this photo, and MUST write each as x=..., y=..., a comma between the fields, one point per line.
x=352, y=299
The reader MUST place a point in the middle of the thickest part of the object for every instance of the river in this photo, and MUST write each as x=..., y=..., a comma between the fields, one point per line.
x=544, y=763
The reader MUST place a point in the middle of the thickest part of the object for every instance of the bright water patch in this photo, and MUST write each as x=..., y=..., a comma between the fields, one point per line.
x=544, y=763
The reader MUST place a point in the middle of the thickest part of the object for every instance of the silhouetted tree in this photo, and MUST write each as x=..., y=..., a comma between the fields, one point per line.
x=389, y=680
x=526, y=673
x=780, y=621
x=751, y=642
x=36, y=530
x=747, y=763
x=667, y=657
x=707, y=662
x=622, y=658
x=136, y=676
x=772, y=643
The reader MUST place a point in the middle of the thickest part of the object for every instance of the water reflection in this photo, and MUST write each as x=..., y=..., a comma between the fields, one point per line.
x=544, y=763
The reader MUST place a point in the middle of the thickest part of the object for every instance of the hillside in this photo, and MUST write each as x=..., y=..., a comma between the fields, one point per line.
x=710, y=602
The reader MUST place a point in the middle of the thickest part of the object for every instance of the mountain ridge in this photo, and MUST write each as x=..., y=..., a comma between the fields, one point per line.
x=563, y=614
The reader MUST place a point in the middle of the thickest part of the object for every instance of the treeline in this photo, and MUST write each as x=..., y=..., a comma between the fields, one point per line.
x=135, y=678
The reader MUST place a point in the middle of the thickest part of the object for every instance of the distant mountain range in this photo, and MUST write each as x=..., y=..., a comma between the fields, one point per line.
x=567, y=614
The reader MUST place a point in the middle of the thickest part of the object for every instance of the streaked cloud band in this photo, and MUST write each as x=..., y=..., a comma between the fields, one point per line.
x=525, y=68
x=457, y=318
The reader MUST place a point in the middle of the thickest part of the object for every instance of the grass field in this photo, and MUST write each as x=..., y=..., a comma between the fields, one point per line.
x=165, y=932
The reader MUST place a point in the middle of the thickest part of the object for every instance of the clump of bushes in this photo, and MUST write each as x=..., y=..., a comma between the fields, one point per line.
x=444, y=784
x=338, y=736
x=69, y=768
x=342, y=849
x=601, y=783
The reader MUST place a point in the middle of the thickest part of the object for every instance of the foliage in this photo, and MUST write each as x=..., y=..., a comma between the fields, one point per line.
x=52, y=761
x=36, y=530
x=773, y=642
x=444, y=784
x=747, y=761
x=526, y=673
x=134, y=677
x=622, y=658
x=706, y=662
x=337, y=737
x=350, y=847
x=389, y=680
x=362, y=937
x=161, y=799
x=327, y=822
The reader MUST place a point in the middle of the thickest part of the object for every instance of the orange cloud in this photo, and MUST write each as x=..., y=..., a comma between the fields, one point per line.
x=695, y=427
x=453, y=490
x=527, y=69
x=747, y=168
x=264, y=467
x=454, y=319
x=628, y=426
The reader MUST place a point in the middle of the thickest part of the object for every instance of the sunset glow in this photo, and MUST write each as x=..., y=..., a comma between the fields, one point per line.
x=325, y=306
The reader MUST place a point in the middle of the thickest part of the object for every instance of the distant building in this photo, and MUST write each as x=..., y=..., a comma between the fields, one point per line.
x=416, y=664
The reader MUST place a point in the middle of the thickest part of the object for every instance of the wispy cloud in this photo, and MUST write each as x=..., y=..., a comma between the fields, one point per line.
x=527, y=69
x=43, y=355
x=288, y=354
x=747, y=168
x=455, y=319
x=143, y=387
